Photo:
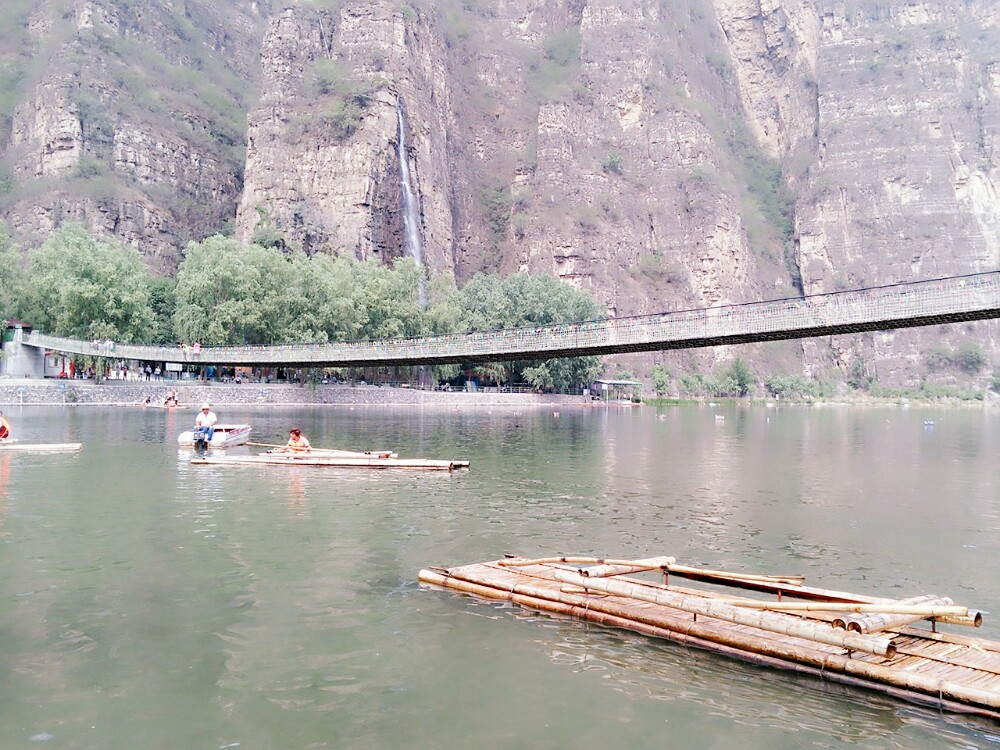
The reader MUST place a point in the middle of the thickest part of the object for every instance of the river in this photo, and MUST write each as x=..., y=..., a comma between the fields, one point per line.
x=149, y=603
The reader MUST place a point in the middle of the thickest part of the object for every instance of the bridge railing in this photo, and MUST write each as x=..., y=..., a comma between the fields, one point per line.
x=921, y=302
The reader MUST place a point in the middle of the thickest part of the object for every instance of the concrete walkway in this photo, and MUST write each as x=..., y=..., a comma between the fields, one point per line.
x=190, y=394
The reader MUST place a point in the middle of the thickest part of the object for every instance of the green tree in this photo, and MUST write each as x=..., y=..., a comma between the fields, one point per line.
x=390, y=299
x=162, y=302
x=741, y=376
x=970, y=357
x=661, y=380
x=490, y=303
x=320, y=300
x=11, y=276
x=442, y=315
x=228, y=294
x=79, y=287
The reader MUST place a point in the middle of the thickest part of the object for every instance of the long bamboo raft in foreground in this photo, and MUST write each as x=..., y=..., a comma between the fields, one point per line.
x=341, y=462
x=853, y=639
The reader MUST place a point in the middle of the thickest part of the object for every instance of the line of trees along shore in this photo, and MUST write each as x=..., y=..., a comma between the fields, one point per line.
x=229, y=294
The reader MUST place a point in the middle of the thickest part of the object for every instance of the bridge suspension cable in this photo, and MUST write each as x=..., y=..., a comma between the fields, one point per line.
x=904, y=305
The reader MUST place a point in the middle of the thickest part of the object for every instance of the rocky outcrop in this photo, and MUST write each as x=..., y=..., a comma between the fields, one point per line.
x=120, y=130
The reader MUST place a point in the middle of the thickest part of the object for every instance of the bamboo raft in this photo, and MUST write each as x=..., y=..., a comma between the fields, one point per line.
x=858, y=640
x=13, y=445
x=334, y=461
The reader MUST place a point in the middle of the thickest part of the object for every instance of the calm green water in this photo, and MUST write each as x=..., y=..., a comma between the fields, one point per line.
x=148, y=603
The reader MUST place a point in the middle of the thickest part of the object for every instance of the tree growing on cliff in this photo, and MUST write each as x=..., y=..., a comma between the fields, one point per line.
x=82, y=288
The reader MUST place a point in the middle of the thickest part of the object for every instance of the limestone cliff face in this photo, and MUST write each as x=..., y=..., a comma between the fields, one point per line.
x=661, y=154
x=333, y=184
x=548, y=137
x=111, y=134
x=904, y=184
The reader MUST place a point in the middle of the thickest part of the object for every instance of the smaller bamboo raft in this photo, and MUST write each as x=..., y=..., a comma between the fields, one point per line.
x=339, y=462
x=13, y=445
x=849, y=638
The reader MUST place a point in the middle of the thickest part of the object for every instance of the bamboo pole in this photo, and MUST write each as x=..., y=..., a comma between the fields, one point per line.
x=667, y=564
x=637, y=566
x=324, y=451
x=888, y=608
x=522, y=561
x=721, y=575
x=771, y=621
x=876, y=621
x=781, y=585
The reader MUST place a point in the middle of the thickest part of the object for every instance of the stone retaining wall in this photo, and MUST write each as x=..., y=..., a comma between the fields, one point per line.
x=118, y=392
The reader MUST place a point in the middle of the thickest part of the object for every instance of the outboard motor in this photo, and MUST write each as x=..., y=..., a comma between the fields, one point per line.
x=202, y=439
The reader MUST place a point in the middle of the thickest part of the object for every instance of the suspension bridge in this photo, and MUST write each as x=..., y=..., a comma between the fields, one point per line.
x=903, y=305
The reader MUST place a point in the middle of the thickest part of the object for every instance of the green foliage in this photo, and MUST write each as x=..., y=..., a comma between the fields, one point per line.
x=661, y=380
x=495, y=201
x=996, y=381
x=969, y=358
x=162, y=302
x=228, y=294
x=343, y=117
x=613, y=163
x=390, y=299
x=11, y=276
x=86, y=289
x=937, y=358
x=860, y=378
x=269, y=236
x=792, y=387
x=552, y=74
x=692, y=384
x=348, y=97
x=489, y=303
x=742, y=376
x=654, y=267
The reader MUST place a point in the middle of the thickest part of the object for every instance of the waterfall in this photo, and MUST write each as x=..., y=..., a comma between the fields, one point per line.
x=410, y=216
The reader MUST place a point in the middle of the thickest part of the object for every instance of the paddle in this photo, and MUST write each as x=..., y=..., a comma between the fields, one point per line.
x=326, y=451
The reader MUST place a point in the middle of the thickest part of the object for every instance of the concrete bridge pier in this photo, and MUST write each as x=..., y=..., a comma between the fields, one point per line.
x=21, y=360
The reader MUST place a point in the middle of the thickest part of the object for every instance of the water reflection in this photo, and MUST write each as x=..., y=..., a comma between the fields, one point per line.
x=279, y=608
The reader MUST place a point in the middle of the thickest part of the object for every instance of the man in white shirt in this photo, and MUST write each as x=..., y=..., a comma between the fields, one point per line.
x=205, y=422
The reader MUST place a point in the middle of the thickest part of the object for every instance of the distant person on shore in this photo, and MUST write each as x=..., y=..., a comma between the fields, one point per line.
x=297, y=442
x=4, y=427
x=205, y=421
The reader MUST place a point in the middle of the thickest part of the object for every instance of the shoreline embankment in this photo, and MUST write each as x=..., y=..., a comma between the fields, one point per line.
x=129, y=393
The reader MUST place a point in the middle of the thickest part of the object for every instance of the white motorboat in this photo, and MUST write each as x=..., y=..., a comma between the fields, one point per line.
x=226, y=436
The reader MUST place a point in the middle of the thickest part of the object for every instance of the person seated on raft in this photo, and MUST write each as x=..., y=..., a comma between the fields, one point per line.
x=297, y=442
x=4, y=427
x=171, y=399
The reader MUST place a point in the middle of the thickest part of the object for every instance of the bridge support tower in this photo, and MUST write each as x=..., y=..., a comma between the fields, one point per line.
x=19, y=359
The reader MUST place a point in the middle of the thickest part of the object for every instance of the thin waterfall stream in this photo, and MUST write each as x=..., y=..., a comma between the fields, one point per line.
x=410, y=216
